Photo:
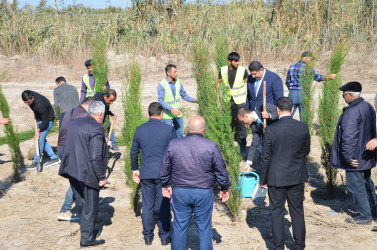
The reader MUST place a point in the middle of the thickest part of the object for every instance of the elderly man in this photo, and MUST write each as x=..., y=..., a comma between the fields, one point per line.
x=356, y=127
x=84, y=164
x=152, y=138
x=189, y=169
x=78, y=112
x=286, y=144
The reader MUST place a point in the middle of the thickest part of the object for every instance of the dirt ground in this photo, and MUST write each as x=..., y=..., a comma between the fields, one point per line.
x=29, y=208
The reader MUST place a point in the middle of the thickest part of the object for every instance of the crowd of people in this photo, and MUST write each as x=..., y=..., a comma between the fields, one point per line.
x=180, y=171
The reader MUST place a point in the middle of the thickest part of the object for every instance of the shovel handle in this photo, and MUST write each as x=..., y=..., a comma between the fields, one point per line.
x=36, y=140
x=111, y=127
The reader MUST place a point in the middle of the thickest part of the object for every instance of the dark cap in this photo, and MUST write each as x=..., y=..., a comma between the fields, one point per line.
x=307, y=53
x=88, y=63
x=351, y=86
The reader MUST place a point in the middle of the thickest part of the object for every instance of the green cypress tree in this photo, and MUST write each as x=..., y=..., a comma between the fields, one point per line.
x=216, y=112
x=329, y=112
x=133, y=117
x=99, y=63
x=12, y=139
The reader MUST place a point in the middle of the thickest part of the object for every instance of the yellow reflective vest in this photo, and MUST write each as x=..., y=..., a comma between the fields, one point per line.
x=173, y=101
x=89, y=91
x=238, y=92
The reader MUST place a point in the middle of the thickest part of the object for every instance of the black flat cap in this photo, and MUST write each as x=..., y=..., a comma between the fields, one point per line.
x=88, y=63
x=351, y=86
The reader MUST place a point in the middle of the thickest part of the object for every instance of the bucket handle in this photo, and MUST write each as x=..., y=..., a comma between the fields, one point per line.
x=250, y=172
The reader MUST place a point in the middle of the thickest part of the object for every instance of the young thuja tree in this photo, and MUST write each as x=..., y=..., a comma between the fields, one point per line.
x=221, y=51
x=99, y=63
x=12, y=139
x=307, y=94
x=329, y=112
x=133, y=117
x=216, y=112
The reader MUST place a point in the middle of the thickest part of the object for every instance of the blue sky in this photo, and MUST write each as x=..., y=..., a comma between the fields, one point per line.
x=89, y=3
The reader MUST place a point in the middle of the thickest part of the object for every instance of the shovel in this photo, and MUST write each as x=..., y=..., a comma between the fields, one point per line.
x=39, y=168
x=110, y=131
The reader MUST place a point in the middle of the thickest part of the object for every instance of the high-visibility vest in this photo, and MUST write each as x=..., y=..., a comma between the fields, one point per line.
x=238, y=92
x=89, y=91
x=173, y=101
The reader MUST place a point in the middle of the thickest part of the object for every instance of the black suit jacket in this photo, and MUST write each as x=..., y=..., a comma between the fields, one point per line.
x=286, y=144
x=151, y=138
x=85, y=152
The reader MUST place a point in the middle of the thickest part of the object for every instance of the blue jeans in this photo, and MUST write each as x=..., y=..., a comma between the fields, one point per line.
x=178, y=125
x=295, y=95
x=186, y=201
x=361, y=186
x=43, y=143
x=69, y=198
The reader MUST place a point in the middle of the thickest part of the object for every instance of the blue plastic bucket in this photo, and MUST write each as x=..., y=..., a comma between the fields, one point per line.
x=247, y=181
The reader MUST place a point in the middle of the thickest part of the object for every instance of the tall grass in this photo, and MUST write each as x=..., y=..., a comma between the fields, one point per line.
x=133, y=117
x=163, y=27
x=329, y=112
x=12, y=139
x=216, y=112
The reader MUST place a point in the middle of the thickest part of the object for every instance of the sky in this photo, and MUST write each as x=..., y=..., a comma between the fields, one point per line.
x=100, y=4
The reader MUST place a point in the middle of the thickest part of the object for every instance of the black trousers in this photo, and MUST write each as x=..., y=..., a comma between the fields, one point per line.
x=295, y=196
x=87, y=199
x=237, y=126
x=151, y=188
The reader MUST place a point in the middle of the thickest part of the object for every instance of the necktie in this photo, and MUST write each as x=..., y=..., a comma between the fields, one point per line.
x=257, y=83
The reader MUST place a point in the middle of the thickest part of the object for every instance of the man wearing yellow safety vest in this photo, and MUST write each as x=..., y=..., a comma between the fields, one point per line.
x=88, y=83
x=233, y=77
x=170, y=91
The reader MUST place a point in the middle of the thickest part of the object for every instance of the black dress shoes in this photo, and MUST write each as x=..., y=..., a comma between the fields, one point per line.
x=165, y=242
x=92, y=243
x=148, y=241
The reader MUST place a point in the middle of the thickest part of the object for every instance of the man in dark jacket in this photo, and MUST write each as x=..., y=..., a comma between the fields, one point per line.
x=356, y=127
x=286, y=143
x=152, y=138
x=254, y=119
x=44, y=115
x=274, y=86
x=78, y=112
x=108, y=99
x=84, y=164
x=189, y=169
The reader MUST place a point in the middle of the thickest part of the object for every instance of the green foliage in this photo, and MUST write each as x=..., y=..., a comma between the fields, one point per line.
x=29, y=134
x=329, y=112
x=215, y=111
x=222, y=51
x=133, y=117
x=99, y=63
x=12, y=138
x=165, y=27
x=307, y=94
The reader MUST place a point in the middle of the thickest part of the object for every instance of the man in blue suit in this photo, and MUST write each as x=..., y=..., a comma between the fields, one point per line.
x=152, y=138
x=274, y=86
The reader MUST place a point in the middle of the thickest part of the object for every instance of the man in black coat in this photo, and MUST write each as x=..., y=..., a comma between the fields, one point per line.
x=286, y=144
x=254, y=119
x=355, y=128
x=152, y=138
x=84, y=163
